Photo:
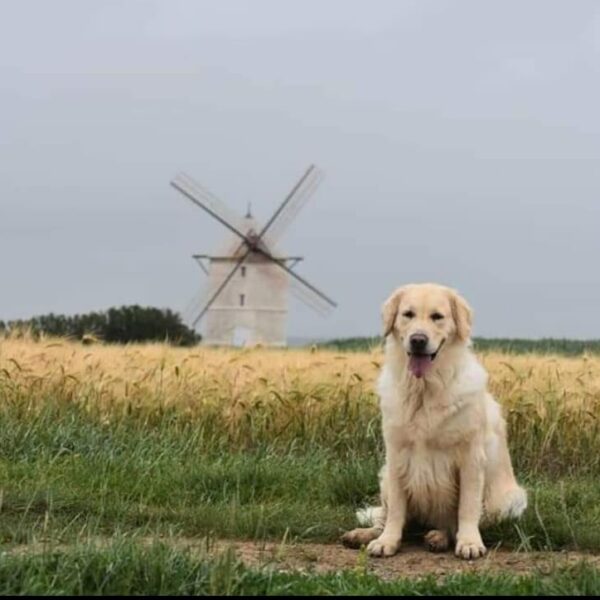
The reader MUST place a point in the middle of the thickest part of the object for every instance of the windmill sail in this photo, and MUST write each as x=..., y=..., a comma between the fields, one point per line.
x=206, y=200
x=300, y=196
x=250, y=281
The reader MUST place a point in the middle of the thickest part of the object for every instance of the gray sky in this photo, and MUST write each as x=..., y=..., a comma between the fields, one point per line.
x=460, y=141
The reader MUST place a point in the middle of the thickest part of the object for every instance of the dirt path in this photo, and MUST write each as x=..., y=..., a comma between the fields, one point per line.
x=412, y=561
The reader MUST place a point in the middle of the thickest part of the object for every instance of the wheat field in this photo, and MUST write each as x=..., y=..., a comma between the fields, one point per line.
x=552, y=403
x=253, y=444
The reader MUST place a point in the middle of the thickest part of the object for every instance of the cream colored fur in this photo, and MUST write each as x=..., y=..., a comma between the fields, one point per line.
x=447, y=461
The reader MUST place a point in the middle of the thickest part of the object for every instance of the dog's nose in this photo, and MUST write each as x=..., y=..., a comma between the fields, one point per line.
x=418, y=342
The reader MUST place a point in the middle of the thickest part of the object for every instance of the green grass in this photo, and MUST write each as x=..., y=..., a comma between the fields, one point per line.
x=67, y=475
x=125, y=568
x=289, y=459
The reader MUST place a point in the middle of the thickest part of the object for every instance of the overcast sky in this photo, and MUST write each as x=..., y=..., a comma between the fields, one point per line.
x=460, y=141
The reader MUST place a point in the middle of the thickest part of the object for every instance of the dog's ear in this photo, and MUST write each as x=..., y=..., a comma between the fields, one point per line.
x=389, y=311
x=462, y=314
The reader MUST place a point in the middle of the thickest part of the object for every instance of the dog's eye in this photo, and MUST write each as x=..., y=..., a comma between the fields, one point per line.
x=409, y=314
x=437, y=316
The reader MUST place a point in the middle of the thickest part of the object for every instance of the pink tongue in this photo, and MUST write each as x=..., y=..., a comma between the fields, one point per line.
x=419, y=365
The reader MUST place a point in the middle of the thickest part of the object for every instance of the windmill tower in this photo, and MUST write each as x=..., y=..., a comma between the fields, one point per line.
x=249, y=279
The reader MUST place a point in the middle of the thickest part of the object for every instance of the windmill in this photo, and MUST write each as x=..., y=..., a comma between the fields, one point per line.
x=249, y=280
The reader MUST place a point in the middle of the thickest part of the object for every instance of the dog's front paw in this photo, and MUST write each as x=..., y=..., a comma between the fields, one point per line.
x=469, y=547
x=384, y=546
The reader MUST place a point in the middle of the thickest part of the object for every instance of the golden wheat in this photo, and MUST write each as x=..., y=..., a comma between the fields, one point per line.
x=552, y=403
x=120, y=372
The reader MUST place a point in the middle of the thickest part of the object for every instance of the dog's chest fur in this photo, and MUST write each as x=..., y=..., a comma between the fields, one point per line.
x=424, y=430
x=423, y=454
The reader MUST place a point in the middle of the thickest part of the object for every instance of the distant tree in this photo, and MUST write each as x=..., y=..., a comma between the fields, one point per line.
x=136, y=324
x=510, y=345
x=117, y=325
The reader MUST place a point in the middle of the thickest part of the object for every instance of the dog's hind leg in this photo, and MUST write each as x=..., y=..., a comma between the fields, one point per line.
x=372, y=520
x=504, y=497
x=357, y=538
x=437, y=540
x=374, y=517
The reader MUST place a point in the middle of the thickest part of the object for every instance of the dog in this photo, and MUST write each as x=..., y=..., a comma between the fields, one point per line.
x=447, y=463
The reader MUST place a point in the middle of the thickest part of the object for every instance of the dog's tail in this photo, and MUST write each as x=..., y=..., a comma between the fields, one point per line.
x=371, y=516
x=509, y=504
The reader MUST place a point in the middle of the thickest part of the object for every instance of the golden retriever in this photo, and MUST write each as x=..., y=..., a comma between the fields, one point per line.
x=447, y=461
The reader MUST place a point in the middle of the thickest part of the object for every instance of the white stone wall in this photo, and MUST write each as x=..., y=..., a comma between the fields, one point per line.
x=263, y=315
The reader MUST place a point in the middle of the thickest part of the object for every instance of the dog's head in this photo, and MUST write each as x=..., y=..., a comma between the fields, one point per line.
x=426, y=319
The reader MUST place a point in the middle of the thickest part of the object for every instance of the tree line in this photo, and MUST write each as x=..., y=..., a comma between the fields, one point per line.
x=566, y=347
x=121, y=325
